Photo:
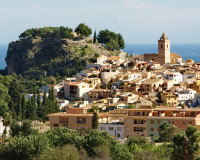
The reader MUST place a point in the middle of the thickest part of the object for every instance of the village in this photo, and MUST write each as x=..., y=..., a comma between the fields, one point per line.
x=132, y=95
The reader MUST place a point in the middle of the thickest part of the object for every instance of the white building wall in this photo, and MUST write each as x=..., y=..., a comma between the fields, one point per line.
x=185, y=76
x=113, y=129
x=2, y=128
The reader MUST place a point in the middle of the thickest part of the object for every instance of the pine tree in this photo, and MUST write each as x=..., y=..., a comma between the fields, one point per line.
x=23, y=106
x=95, y=121
x=95, y=37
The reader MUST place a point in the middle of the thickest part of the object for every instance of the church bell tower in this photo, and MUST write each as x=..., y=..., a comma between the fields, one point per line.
x=164, y=49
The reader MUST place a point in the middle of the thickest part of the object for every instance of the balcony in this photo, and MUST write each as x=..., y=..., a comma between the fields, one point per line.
x=138, y=122
x=137, y=129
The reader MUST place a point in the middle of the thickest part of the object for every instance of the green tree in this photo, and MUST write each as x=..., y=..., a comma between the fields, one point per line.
x=83, y=30
x=186, y=145
x=121, y=41
x=111, y=40
x=95, y=37
x=167, y=132
x=68, y=152
x=95, y=121
x=39, y=109
x=16, y=128
x=23, y=106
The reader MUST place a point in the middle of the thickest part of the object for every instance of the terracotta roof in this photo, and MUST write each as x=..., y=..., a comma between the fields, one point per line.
x=114, y=58
x=174, y=55
x=73, y=83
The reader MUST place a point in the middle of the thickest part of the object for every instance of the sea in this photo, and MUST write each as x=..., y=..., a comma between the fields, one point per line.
x=187, y=51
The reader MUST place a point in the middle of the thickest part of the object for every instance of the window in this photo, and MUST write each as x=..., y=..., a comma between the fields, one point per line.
x=118, y=135
x=55, y=125
x=128, y=129
x=151, y=135
x=152, y=121
x=127, y=121
x=158, y=121
x=152, y=129
x=172, y=122
x=119, y=128
x=161, y=46
x=81, y=120
x=190, y=122
x=102, y=128
x=183, y=122
x=65, y=125
x=158, y=129
x=138, y=129
x=167, y=46
x=110, y=128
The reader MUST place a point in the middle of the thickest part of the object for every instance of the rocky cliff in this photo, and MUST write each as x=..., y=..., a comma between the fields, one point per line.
x=44, y=57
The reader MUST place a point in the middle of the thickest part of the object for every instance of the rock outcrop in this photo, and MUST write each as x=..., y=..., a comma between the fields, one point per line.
x=45, y=57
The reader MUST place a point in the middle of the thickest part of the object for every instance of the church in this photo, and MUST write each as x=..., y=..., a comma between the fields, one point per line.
x=163, y=56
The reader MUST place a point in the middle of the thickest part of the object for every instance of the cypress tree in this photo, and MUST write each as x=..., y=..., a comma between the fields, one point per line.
x=95, y=121
x=95, y=38
x=19, y=107
x=38, y=104
x=23, y=104
x=44, y=102
x=28, y=109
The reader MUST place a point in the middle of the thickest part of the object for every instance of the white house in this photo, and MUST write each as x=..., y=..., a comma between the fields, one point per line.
x=176, y=76
x=188, y=74
x=131, y=77
x=76, y=90
x=62, y=102
x=186, y=95
x=2, y=128
x=114, y=129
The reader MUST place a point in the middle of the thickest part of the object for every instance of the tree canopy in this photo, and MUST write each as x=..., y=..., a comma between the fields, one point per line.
x=111, y=40
x=48, y=32
x=83, y=30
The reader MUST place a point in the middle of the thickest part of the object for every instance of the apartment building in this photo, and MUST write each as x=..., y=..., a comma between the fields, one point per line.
x=73, y=118
x=181, y=118
x=76, y=90
x=135, y=123
x=114, y=129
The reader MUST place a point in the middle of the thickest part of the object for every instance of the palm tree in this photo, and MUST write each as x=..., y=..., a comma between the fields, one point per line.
x=186, y=144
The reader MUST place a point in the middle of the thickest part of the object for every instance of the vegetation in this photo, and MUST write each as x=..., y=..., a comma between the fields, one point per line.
x=83, y=30
x=167, y=132
x=111, y=40
x=95, y=121
x=14, y=105
x=48, y=32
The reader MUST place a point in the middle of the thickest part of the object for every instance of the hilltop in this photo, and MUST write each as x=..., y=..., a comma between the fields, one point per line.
x=51, y=55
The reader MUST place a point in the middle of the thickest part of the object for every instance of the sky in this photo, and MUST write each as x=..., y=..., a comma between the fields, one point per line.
x=139, y=21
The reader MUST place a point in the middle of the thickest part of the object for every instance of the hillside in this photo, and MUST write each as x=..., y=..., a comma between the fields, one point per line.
x=35, y=57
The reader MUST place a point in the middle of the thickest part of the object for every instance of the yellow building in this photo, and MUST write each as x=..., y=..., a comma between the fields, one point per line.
x=196, y=85
x=169, y=99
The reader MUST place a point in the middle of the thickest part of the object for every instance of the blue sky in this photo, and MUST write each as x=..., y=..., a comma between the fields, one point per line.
x=139, y=21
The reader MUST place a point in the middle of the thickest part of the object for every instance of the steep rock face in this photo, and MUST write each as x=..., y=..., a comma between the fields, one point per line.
x=36, y=57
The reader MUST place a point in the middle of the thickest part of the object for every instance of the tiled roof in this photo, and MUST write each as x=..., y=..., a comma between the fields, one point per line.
x=174, y=55
x=114, y=58
x=73, y=83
